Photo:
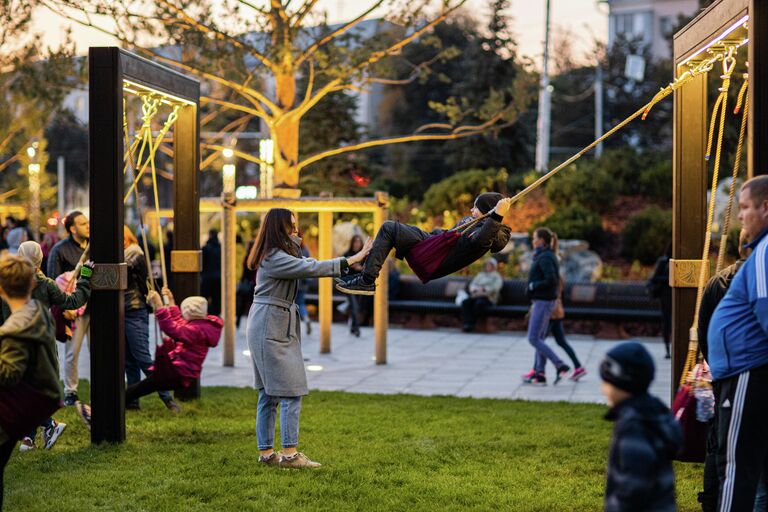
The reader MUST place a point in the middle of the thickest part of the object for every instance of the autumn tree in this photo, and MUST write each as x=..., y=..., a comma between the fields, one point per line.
x=253, y=56
x=33, y=83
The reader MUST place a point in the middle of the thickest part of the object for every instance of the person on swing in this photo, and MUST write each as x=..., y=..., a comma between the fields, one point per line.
x=487, y=235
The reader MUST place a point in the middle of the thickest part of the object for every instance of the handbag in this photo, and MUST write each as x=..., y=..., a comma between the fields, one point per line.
x=694, y=431
x=558, y=313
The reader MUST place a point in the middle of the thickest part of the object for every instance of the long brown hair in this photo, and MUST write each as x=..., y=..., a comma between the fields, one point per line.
x=549, y=237
x=274, y=233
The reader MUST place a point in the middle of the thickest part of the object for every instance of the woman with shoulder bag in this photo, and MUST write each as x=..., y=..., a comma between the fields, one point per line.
x=274, y=334
x=543, y=284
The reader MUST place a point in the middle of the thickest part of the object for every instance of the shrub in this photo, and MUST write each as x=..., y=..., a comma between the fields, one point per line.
x=576, y=222
x=587, y=183
x=655, y=181
x=457, y=193
x=647, y=234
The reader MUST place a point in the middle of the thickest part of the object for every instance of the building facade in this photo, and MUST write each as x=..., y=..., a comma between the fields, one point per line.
x=652, y=21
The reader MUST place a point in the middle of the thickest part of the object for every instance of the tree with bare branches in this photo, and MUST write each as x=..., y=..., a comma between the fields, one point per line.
x=253, y=56
x=33, y=83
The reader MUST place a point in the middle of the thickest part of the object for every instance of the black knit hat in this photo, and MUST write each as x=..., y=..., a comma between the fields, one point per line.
x=628, y=366
x=485, y=202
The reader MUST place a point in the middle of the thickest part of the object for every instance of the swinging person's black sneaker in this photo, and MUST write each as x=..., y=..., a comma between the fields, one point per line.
x=356, y=286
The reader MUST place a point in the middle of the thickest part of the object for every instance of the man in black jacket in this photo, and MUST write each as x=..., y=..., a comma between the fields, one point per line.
x=488, y=235
x=64, y=257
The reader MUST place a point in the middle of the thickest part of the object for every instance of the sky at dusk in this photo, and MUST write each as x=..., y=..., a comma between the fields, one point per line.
x=585, y=19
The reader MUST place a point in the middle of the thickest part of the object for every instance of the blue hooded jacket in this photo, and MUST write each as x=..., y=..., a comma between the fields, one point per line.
x=738, y=331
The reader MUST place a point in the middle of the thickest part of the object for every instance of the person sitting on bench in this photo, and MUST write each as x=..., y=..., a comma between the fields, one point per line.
x=487, y=235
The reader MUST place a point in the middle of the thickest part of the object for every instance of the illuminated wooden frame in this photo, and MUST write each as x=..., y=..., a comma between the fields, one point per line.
x=325, y=208
x=112, y=71
x=724, y=21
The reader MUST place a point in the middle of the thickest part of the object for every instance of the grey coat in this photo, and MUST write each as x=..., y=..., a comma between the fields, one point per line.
x=273, y=331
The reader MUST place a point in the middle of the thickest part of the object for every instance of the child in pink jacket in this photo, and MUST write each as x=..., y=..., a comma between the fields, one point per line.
x=179, y=360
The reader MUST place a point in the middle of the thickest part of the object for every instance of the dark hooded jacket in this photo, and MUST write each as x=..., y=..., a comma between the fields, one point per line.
x=488, y=235
x=544, y=276
x=28, y=352
x=645, y=439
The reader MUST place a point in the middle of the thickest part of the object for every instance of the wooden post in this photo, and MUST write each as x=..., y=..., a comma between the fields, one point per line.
x=757, y=148
x=325, y=286
x=689, y=192
x=228, y=283
x=380, y=299
x=106, y=203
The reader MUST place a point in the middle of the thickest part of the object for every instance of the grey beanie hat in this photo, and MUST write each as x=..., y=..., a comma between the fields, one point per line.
x=194, y=308
x=32, y=251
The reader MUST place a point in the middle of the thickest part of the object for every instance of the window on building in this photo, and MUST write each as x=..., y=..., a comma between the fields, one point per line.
x=625, y=24
x=666, y=26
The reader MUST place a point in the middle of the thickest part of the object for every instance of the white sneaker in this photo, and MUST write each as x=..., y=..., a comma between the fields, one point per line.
x=52, y=433
x=27, y=444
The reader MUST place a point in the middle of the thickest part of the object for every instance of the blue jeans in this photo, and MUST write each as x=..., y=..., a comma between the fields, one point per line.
x=538, y=325
x=266, y=413
x=761, y=499
x=137, y=356
x=301, y=301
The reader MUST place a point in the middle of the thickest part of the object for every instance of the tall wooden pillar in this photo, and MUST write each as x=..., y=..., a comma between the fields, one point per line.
x=186, y=258
x=380, y=299
x=689, y=190
x=757, y=148
x=325, y=286
x=105, y=159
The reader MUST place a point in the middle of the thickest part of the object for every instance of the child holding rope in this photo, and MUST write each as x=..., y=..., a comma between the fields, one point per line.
x=488, y=234
x=47, y=293
x=179, y=360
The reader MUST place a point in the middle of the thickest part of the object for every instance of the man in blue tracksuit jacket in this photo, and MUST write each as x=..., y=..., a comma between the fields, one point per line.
x=738, y=360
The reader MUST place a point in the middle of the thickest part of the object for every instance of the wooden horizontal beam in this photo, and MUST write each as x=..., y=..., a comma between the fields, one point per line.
x=707, y=26
x=160, y=78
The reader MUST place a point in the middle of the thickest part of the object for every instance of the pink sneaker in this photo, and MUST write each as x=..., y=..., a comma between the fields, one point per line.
x=529, y=374
x=578, y=373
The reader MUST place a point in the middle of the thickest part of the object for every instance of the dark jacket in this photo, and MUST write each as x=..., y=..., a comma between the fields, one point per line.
x=28, y=352
x=713, y=294
x=48, y=293
x=645, y=439
x=212, y=258
x=64, y=257
x=136, y=292
x=658, y=284
x=544, y=276
x=487, y=235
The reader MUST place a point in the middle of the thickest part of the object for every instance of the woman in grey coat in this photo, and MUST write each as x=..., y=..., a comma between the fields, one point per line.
x=274, y=334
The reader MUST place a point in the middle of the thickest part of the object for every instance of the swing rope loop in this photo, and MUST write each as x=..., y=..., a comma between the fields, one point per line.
x=718, y=112
x=146, y=157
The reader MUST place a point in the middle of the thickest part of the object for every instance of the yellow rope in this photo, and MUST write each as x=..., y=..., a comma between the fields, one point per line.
x=149, y=144
x=729, y=63
x=734, y=175
x=703, y=67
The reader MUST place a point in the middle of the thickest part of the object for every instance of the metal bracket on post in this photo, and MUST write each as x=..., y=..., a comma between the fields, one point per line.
x=686, y=273
x=187, y=261
x=110, y=276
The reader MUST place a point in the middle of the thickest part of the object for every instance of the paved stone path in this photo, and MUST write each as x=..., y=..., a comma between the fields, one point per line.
x=437, y=362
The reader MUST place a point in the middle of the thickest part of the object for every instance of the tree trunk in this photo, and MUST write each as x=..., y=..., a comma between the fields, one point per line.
x=286, y=137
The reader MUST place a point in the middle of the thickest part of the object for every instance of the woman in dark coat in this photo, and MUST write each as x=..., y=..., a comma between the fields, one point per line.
x=274, y=334
x=543, y=287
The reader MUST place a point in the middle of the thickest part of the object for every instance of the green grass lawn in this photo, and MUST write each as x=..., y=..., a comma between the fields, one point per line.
x=378, y=453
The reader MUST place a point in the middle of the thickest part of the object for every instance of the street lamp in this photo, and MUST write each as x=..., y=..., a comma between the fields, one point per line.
x=33, y=169
x=228, y=255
